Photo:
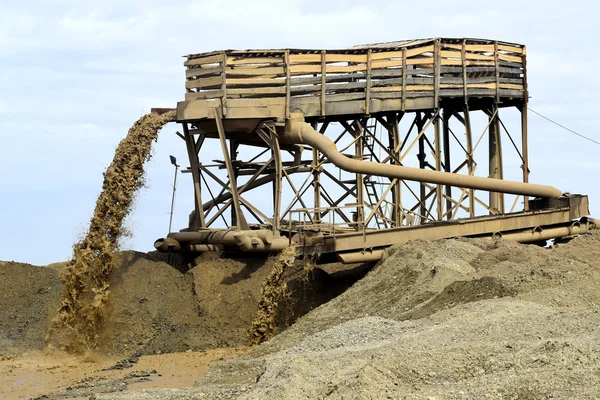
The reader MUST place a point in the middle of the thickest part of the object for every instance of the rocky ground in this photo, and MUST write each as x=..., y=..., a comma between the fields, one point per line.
x=449, y=319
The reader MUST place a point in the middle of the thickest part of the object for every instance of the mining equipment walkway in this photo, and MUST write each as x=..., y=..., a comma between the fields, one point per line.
x=346, y=152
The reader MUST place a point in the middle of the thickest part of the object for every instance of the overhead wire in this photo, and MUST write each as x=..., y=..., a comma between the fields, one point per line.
x=564, y=127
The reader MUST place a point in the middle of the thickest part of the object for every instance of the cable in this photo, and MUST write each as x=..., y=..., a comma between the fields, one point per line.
x=564, y=127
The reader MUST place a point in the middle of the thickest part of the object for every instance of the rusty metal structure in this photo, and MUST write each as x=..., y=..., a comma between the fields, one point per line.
x=346, y=152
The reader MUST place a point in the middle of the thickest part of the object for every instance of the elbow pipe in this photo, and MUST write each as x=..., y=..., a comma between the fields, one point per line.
x=300, y=132
x=167, y=245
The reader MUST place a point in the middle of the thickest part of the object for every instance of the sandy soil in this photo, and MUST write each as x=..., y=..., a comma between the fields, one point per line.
x=58, y=375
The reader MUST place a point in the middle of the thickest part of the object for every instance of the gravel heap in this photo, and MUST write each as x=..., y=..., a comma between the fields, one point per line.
x=449, y=319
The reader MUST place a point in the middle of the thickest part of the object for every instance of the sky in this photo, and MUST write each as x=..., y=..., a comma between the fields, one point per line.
x=75, y=75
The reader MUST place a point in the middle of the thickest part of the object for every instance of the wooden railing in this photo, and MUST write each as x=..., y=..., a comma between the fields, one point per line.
x=311, y=79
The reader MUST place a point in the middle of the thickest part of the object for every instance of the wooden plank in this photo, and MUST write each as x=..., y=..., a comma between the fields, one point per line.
x=512, y=49
x=485, y=48
x=305, y=58
x=419, y=61
x=255, y=71
x=386, y=63
x=330, y=58
x=263, y=90
x=418, y=51
x=506, y=57
x=217, y=58
x=305, y=69
x=450, y=54
x=253, y=60
x=409, y=88
x=209, y=94
x=491, y=85
x=459, y=79
x=255, y=82
x=204, y=82
x=386, y=55
x=190, y=73
x=511, y=86
x=468, y=62
x=315, y=69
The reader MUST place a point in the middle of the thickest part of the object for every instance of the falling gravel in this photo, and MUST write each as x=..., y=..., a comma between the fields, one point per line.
x=86, y=282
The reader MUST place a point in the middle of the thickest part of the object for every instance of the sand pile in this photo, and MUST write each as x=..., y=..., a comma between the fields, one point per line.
x=154, y=307
x=449, y=319
x=88, y=274
x=29, y=298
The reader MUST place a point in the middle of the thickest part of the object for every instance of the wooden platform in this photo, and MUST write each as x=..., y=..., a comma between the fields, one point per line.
x=362, y=80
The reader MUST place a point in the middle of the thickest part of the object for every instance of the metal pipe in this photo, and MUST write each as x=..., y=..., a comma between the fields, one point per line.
x=226, y=237
x=167, y=245
x=529, y=236
x=301, y=132
x=255, y=244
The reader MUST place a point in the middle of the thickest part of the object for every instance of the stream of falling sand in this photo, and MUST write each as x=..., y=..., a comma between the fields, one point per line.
x=76, y=325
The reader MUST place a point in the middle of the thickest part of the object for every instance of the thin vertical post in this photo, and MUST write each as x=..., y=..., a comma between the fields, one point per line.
x=495, y=159
x=394, y=144
x=276, y=152
x=316, y=180
x=446, y=114
x=524, y=139
x=233, y=179
x=438, y=166
x=198, y=220
x=421, y=156
x=358, y=132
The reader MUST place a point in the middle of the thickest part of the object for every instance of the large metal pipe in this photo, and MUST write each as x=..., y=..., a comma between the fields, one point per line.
x=299, y=131
x=526, y=236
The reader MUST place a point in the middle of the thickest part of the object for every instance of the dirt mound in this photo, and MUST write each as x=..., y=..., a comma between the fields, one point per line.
x=446, y=319
x=89, y=272
x=29, y=298
x=162, y=307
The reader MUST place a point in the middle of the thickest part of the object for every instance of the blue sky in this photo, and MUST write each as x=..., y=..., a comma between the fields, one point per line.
x=75, y=75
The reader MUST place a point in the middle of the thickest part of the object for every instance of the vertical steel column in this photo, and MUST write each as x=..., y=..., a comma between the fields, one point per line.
x=446, y=114
x=316, y=180
x=233, y=179
x=438, y=167
x=360, y=197
x=495, y=159
x=421, y=156
x=277, y=186
x=195, y=166
x=470, y=163
x=394, y=146
x=233, y=188
x=524, y=139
